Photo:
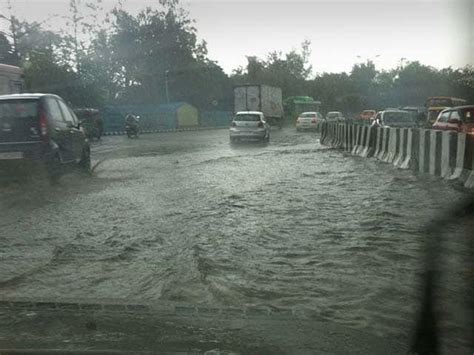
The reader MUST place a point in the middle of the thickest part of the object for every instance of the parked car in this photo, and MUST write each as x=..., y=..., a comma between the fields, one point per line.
x=308, y=121
x=367, y=116
x=41, y=128
x=249, y=125
x=459, y=119
x=395, y=118
x=335, y=116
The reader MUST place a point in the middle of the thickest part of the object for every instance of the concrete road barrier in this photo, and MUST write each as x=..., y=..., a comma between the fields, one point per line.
x=337, y=135
x=385, y=138
x=446, y=154
x=403, y=147
x=354, y=137
x=460, y=169
x=469, y=161
x=424, y=151
x=350, y=132
x=378, y=141
x=393, y=145
x=412, y=150
x=369, y=143
x=359, y=139
x=435, y=153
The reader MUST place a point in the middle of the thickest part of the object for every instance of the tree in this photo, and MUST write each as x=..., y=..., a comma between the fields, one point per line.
x=148, y=47
x=7, y=54
x=288, y=71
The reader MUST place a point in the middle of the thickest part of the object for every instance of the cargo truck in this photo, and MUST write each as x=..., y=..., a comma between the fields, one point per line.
x=263, y=98
x=11, y=80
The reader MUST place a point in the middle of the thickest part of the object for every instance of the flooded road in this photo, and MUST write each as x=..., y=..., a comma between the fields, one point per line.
x=186, y=217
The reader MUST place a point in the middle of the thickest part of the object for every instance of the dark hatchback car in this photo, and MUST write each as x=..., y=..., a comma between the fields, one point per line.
x=41, y=128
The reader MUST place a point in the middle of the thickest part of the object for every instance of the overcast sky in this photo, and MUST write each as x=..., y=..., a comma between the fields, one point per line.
x=438, y=33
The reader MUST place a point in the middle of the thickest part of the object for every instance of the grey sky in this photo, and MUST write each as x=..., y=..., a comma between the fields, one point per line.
x=438, y=33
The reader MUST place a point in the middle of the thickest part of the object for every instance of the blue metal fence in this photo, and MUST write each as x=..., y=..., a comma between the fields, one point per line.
x=215, y=118
x=158, y=118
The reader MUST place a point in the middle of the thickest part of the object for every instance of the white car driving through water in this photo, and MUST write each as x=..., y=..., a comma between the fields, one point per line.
x=249, y=125
x=308, y=121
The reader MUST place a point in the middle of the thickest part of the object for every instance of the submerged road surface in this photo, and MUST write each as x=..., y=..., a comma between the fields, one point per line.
x=187, y=217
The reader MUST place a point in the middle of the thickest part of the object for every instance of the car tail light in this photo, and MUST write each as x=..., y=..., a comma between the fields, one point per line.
x=233, y=124
x=43, y=125
x=260, y=124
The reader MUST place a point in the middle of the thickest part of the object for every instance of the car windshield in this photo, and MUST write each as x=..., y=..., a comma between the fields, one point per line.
x=208, y=176
x=247, y=117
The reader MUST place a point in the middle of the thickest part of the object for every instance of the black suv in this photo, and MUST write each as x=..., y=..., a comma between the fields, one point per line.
x=41, y=128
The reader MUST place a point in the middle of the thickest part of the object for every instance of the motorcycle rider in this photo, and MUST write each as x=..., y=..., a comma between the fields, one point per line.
x=132, y=122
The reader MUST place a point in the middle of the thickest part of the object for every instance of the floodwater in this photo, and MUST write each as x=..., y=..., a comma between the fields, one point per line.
x=187, y=217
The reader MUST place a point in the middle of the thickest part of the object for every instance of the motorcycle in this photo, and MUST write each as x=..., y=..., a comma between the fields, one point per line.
x=132, y=130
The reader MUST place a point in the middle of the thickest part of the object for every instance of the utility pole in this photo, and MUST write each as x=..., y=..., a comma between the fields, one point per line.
x=166, y=86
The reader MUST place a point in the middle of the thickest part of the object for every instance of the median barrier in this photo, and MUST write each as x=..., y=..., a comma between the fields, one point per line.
x=384, y=144
x=460, y=170
x=403, y=147
x=469, y=161
x=353, y=137
x=358, y=139
x=343, y=137
x=360, y=145
x=412, y=150
x=378, y=141
x=324, y=133
x=347, y=146
x=424, y=151
x=448, y=153
x=435, y=153
x=393, y=145
x=338, y=135
x=349, y=138
x=337, y=139
x=369, y=143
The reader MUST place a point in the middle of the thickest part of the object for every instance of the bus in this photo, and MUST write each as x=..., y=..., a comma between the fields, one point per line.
x=11, y=80
x=295, y=105
x=434, y=105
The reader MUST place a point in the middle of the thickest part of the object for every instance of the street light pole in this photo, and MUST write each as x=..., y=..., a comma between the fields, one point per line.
x=166, y=87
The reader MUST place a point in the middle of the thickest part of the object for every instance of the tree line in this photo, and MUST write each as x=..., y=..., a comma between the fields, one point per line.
x=105, y=58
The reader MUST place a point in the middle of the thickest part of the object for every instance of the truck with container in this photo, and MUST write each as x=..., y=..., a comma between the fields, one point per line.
x=263, y=98
x=11, y=80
